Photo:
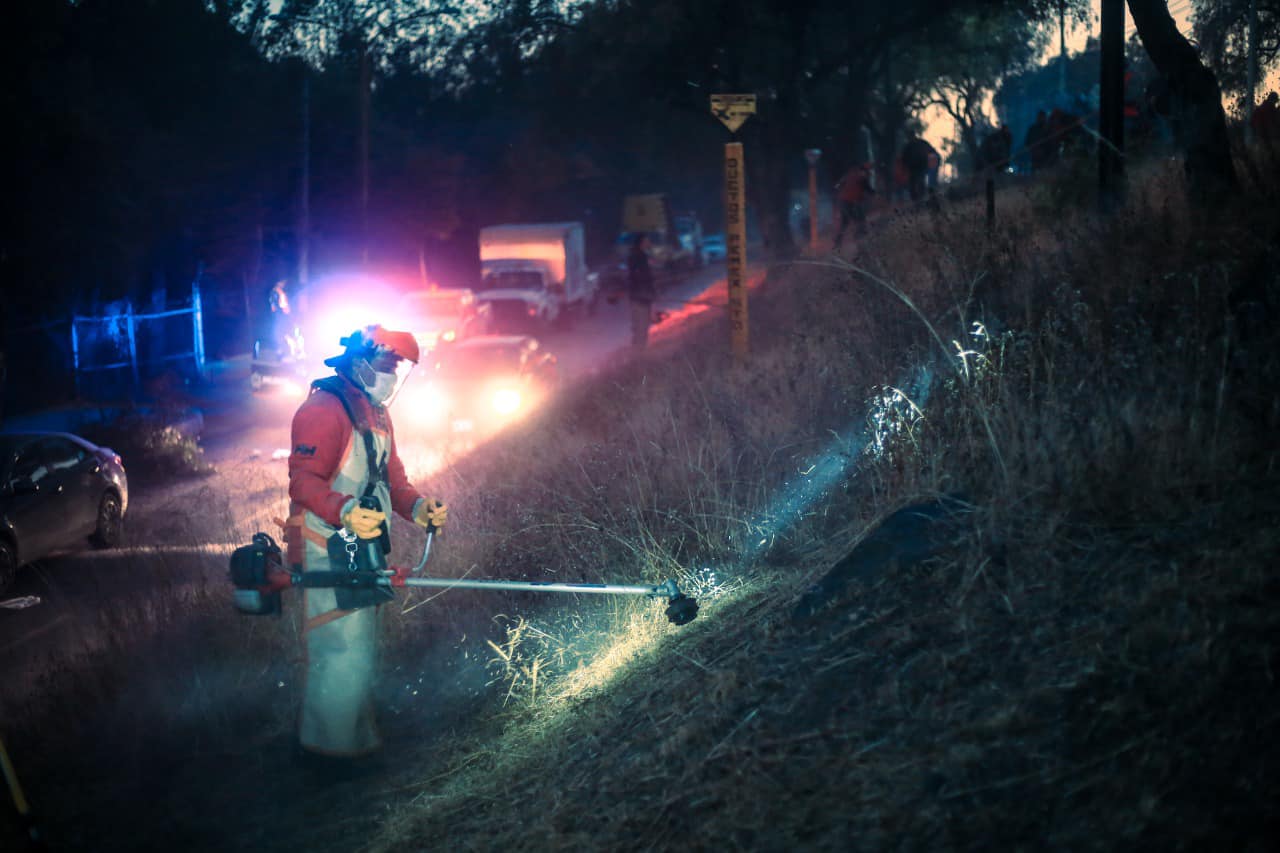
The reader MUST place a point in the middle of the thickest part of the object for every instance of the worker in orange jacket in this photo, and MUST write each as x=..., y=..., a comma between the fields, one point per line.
x=344, y=450
x=854, y=191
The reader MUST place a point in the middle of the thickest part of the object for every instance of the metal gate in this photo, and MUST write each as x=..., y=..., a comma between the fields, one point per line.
x=134, y=341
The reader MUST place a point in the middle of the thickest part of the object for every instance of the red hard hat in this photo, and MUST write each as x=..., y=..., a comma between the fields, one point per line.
x=367, y=341
x=403, y=344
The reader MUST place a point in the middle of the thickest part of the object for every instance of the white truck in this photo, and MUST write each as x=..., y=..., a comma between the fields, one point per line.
x=535, y=274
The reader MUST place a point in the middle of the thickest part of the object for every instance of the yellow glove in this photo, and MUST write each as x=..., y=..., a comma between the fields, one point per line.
x=365, y=523
x=431, y=513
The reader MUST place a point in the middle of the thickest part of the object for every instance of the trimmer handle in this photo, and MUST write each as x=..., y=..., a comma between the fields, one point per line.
x=432, y=530
x=372, y=502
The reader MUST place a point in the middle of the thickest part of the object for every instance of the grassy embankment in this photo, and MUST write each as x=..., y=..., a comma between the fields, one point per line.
x=1090, y=664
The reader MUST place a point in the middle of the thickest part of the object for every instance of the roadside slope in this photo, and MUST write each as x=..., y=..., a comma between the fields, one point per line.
x=1119, y=696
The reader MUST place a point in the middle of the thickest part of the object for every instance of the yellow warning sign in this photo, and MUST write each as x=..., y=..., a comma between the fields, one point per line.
x=733, y=109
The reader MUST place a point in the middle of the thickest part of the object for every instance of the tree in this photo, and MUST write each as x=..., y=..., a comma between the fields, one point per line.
x=1202, y=123
x=821, y=70
x=986, y=50
x=1221, y=29
x=131, y=176
x=369, y=36
x=814, y=67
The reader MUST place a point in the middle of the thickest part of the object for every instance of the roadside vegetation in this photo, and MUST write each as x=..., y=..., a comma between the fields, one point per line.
x=1089, y=662
x=155, y=448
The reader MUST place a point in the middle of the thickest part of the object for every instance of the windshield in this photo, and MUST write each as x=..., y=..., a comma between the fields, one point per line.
x=478, y=361
x=513, y=280
x=428, y=311
x=433, y=303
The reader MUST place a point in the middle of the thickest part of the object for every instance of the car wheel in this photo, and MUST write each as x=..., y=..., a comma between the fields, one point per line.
x=8, y=566
x=110, y=522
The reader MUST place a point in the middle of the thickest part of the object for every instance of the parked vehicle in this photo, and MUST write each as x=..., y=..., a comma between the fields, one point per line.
x=443, y=315
x=534, y=275
x=713, y=250
x=57, y=492
x=478, y=385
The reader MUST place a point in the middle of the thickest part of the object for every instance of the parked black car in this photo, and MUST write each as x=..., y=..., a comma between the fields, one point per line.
x=57, y=492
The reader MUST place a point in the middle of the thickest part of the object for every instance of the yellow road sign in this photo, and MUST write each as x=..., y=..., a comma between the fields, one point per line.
x=733, y=109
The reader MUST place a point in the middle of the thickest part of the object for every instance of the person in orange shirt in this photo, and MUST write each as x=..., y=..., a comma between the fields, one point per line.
x=854, y=191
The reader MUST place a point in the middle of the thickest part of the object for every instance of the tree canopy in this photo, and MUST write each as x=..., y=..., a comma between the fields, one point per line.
x=1221, y=28
x=178, y=141
x=136, y=154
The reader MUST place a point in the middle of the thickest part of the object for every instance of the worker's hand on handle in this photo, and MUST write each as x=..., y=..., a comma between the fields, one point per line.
x=431, y=514
x=365, y=523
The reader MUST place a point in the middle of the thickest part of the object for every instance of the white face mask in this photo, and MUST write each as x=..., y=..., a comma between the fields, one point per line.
x=383, y=385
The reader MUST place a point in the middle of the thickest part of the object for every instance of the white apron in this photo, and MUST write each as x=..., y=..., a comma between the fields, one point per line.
x=341, y=645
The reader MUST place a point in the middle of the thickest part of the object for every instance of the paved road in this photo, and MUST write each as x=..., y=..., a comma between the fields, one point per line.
x=179, y=533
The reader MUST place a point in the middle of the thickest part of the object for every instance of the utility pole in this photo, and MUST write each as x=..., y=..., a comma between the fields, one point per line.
x=304, y=192
x=366, y=83
x=367, y=24
x=811, y=155
x=1111, y=108
x=1062, y=48
x=1251, y=89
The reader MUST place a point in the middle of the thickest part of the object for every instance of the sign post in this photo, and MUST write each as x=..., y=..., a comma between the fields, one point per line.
x=735, y=243
x=733, y=110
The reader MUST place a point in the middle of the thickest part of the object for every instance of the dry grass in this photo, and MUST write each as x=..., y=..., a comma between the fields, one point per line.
x=1091, y=667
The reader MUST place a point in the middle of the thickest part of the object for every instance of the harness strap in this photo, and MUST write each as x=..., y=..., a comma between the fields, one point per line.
x=377, y=469
x=324, y=619
x=317, y=538
x=297, y=520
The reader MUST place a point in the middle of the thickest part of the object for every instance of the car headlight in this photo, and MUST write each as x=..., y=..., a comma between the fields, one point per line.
x=292, y=388
x=424, y=404
x=505, y=401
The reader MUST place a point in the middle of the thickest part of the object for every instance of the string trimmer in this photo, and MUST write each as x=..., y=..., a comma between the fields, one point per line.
x=258, y=575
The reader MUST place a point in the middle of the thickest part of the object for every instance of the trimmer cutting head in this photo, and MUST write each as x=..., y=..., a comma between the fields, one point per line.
x=682, y=610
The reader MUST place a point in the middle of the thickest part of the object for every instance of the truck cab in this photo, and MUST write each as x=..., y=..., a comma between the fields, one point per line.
x=519, y=293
